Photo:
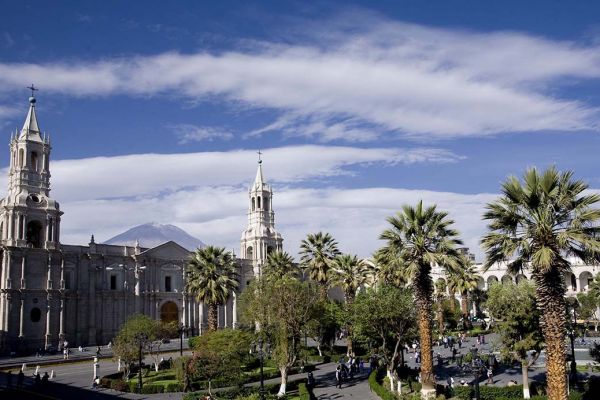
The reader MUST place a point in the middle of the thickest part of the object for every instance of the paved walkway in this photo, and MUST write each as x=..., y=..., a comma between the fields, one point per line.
x=357, y=388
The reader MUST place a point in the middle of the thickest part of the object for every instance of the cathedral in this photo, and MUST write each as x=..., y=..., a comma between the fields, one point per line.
x=52, y=292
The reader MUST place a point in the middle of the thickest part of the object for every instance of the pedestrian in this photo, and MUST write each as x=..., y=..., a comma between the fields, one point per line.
x=310, y=380
x=109, y=345
x=95, y=382
x=490, y=376
x=45, y=378
x=338, y=377
x=454, y=355
x=20, y=377
x=414, y=346
x=445, y=340
x=440, y=360
x=418, y=357
x=65, y=353
x=37, y=379
x=361, y=365
x=98, y=353
x=450, y=381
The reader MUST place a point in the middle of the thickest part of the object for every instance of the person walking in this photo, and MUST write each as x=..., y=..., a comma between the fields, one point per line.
x=20, y=377
x=338, y=377
x=490, y=376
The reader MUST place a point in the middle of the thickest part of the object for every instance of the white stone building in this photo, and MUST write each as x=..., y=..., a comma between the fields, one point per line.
x=51, y=292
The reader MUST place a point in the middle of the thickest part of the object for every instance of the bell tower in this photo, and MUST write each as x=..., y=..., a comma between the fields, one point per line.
x=260, y=237
x=29, y=217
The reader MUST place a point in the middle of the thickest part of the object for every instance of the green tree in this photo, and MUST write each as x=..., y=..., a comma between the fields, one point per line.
x=463, y=281
x=440, y=296
x=317, y=252
x=323, y=327
x=420, y=238
x=349, y=273
x=211, y=278
x=536, y=224
x=280, y=264
x=282, y=308
x=137, y=330
x=588, y=305
x=386, y=314
x=515, y=311
x=385, y=269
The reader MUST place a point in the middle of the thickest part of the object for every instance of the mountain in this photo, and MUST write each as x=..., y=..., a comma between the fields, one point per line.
x=153, y=234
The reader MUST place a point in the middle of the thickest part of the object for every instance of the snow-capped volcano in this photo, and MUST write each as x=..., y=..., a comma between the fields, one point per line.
x=153, y=234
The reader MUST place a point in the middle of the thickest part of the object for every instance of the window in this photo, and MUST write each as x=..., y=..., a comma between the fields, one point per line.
x=113, y=282
x=249, y=253
x=35, y=315
x=258, y=202
x=34, y=234
x=34, y=161
x=21, y=157
x=68, y=280
x=168, y=284
x=253, y=205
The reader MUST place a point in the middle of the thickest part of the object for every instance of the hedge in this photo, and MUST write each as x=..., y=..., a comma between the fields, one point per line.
x=489, y=392
x=379, y=390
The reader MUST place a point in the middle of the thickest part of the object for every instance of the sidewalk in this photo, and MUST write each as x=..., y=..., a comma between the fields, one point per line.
x=76, y=356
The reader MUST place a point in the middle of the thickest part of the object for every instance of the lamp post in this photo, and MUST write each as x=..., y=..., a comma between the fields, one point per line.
x=181, y=329
x=571, y=334
x=259, y=349
x=476, y=366
x=141, y=338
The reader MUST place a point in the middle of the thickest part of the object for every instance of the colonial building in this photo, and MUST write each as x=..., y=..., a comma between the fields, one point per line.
x=51, y=292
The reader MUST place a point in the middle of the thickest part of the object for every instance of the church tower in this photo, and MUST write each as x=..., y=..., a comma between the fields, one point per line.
x=29, y=217
x=260, y=237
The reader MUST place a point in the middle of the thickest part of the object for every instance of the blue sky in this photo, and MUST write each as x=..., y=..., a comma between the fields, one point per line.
x=156, y=109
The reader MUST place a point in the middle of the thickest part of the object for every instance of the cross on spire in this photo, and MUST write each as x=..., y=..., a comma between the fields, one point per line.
x=33, y=89
x=259, y=154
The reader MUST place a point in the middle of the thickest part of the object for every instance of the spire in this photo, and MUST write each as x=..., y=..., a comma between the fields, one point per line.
x=31, y=125
x=259, y=180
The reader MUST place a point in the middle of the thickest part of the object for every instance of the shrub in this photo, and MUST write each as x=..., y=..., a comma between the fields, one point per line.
x=151, y=389
x=174, y=387
x=379, y=390
x=119, y=385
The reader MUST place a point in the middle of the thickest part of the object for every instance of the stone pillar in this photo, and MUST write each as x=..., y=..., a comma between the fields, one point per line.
x=22, y=318
x=234, y=311
x=200, y=317
x=48, y=319
x=61, y=332
x=23, y=282
x=11, y=226
x=184, y=319
x=23, y=226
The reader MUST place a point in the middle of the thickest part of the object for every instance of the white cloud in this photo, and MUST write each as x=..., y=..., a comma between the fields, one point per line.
x=406, y=79
x=192, y=133
x=160, y=174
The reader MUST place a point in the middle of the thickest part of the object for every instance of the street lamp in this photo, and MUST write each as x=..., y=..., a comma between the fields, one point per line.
x=141, y=339
x=181, y=329
x=476, y=367
x=571, y=334
x=261, y=353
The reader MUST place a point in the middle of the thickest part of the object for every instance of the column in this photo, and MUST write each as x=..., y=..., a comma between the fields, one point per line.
x=49, y=283
x=200, y=317
x=234, y=311
x=61, y=332
x=11, y=226
x=23, y=226
x=23, y=282
x=48, y=309
x=22, y=318
x=184, y=310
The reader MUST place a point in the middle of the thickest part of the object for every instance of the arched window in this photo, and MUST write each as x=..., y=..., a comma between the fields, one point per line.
x=258, y=202
x=21, y=155
x=34, y=234
x=266, y=203
x=253, y=205
x=169, y=312
x=249, y=253
x=34, y=161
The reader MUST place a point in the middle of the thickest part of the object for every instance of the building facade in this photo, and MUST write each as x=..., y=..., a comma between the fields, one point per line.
x=52, y=292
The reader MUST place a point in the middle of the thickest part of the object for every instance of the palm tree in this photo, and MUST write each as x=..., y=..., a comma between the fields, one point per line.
x=594, y=287
x=421, y=238
x=211, y=278
x=440, y=294
x=349, y=273
x=537, y=224
x=280, y=264
x=384, y=268
x=317, y=252
x=463, y=281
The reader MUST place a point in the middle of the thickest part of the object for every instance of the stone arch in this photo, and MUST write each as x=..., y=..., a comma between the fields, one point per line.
x=21, y=157
x=258, y=202
x=507, y=279
x=480, y=283
x=585, y=278
x=571, y=282
x=34, y=160
x=520, y=278
x=34, y=233
x=249, y=253
x=169, y=312
x=492, y=279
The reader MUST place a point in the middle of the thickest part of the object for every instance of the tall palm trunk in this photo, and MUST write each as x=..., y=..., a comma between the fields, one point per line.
x=213, y=316
x=551, y=300
x=464, y=309
x=440, y=314
x=323, y=290
x=350, y=347
x=423, y=290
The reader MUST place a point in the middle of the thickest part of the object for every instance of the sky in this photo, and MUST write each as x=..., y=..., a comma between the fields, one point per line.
x=156, y=109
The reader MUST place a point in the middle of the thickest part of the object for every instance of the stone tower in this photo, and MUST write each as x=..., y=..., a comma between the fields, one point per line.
x=29, y=217
x=260, y=237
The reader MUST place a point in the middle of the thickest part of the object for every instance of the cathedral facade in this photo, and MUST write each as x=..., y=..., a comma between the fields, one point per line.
x=52, y=292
